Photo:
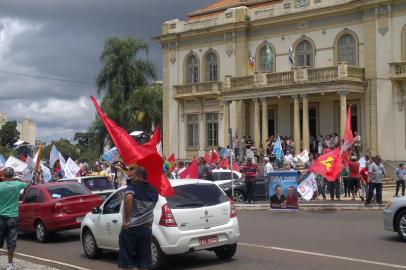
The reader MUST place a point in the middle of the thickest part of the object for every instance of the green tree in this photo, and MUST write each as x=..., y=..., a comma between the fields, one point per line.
x=64, y=146
x=9, y=134
x=144, y=107
x=123, y=71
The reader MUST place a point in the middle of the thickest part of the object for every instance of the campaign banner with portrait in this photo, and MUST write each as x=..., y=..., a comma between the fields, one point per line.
x=283, y=190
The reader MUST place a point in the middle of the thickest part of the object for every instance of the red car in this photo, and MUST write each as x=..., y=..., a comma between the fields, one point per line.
x=54, y=207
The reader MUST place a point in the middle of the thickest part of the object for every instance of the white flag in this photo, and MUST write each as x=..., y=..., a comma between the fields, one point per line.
x=46, y=172
x=307, y=187
x=30, y=164
x=304, y=156
x=61, y=161
x=71, y=168
x=16, y=164
x=53, y=156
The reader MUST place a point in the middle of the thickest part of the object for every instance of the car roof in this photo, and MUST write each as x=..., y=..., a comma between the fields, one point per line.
x=81, y=177
x=49, y=184
x=181, y=182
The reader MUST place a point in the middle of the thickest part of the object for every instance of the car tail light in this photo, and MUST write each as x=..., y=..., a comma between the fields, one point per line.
x=233, y=210
x=57, y=208
x=167, y=218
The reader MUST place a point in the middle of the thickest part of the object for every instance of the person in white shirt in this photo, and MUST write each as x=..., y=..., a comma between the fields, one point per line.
x=267, y=169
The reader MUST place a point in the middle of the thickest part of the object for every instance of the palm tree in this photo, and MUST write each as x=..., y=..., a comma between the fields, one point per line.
x=123, y=71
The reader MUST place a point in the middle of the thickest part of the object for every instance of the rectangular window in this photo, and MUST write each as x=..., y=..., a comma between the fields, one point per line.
x=212, y=126
x=193, y=130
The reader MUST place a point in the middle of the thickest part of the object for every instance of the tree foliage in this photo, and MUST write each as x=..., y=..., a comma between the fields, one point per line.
x=9, y=134
x=127, y=96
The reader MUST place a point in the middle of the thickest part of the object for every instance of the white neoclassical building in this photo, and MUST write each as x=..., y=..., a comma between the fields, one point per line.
x=345, y=52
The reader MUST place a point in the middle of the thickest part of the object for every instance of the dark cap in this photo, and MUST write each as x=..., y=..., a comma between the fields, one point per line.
x=8, y=172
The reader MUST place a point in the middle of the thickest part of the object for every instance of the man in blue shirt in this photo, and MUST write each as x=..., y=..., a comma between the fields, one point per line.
x=400, y=178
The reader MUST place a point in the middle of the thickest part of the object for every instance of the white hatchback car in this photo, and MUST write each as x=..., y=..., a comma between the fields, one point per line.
x=199, y=216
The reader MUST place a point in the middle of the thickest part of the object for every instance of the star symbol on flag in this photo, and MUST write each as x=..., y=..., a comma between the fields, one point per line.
x=328, y=162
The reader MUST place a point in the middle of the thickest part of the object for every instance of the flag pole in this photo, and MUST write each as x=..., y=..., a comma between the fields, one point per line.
x=230, y=134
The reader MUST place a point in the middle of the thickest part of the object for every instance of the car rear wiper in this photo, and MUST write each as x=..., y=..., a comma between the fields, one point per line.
x=190, y=205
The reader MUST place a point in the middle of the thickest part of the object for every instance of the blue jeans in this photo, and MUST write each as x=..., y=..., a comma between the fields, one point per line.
x=135, y=247
x=8, y=231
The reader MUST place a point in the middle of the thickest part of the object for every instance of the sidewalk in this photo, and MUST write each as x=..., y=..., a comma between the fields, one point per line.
x=21, y=264
x=343, y=204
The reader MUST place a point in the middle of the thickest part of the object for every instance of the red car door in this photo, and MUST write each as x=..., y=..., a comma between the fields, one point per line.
x=28, y=210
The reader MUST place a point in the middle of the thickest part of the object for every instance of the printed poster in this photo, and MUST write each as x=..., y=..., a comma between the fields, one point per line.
x=283, y=190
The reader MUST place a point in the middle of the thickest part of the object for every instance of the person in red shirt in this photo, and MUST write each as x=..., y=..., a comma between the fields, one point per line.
x=354, y=176
x=250, y=171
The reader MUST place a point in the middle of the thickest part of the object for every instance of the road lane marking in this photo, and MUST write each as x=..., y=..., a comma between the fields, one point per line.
x=48, y=261
x=325, y=255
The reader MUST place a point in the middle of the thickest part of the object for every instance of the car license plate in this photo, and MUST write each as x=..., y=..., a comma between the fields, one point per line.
x=79, y=219
x=203, y=241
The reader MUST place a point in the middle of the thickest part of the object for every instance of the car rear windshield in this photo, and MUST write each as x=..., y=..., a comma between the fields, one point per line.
x=67, y=190
x=196, y=195
x=100, y=183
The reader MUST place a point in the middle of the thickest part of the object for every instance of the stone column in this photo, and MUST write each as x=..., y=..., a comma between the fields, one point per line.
x=240, y=120
x=343, y=112
x=226, y=121
x=264, y=121
x=257, y=134
x=306, y=139
x=296, y=124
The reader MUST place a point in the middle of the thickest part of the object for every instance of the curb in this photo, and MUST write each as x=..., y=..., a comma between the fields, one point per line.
x=312, y=207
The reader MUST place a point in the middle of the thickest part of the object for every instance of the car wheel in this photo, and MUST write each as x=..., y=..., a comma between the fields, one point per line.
x=239, y=196
x=41, y=232
x=90, y=246
x=226, y=252
x=159, y=259
x=401, y=224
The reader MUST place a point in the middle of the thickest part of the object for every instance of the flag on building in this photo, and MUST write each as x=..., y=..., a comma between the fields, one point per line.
x=191, y=172
x=53, y=156
x=348, y=137
x=291, y=55
x=307, y=187
x=269, y=55
x=134, y=154
x=328, y=165
x=251, y=61
x=277, y=150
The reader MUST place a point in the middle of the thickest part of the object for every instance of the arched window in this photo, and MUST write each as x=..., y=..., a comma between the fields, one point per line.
x=264, y=63
x=304, y=54
x=347, y=50
x=192, y=69
x=211, y=67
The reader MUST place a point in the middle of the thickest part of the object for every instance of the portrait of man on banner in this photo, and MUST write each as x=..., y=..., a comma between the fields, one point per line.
x=282, y=190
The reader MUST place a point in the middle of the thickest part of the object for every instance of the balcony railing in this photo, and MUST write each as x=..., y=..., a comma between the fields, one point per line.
x=301, y=75
x=242, y=82
x=398, y=70
x=197, y=89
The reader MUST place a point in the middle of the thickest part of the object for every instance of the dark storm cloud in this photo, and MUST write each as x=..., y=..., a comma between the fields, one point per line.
x=64, y=39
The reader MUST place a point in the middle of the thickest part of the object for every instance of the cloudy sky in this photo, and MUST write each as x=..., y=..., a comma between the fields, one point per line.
x=64, y=39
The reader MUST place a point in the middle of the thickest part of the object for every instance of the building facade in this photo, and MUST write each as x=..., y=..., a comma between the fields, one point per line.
x=227, y=66
x=27, y=129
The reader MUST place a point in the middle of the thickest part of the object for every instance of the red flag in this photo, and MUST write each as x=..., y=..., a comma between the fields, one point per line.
x=214, y=157
x=207, y=158
x=236, y=167
x=191, y=171
x=347, y=136
x=328, y=165
x=154, y=140
x=133, y=153
x=172, y=161
x=225, y=164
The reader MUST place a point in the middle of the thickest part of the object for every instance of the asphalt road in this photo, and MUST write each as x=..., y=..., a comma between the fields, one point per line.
x=303, y=240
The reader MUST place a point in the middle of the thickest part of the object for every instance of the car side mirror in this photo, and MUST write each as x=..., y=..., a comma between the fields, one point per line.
x=96, y=210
